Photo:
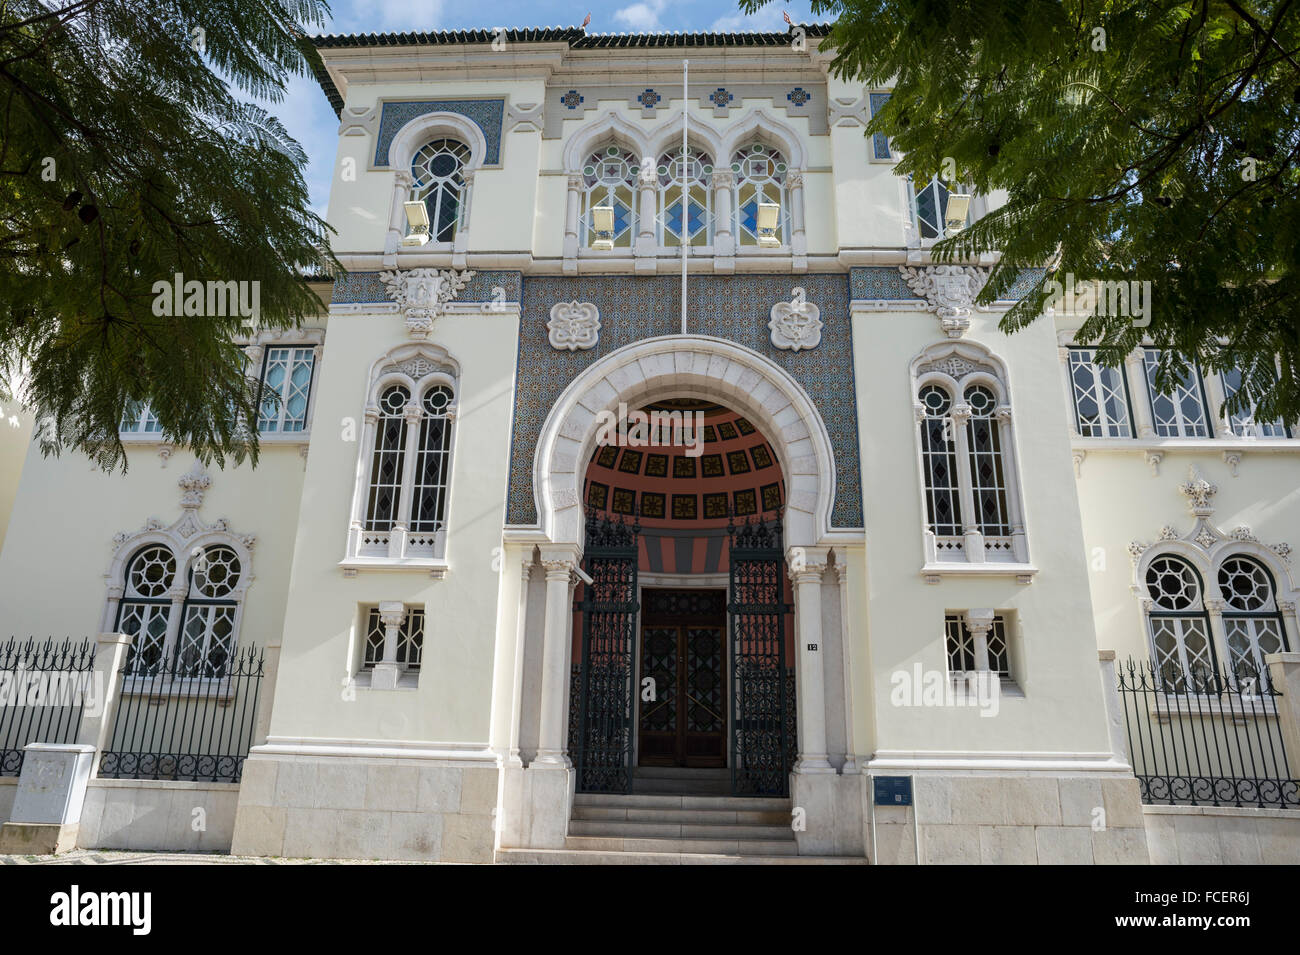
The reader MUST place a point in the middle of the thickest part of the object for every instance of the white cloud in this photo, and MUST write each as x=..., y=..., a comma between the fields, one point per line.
x=642, y=16
x=767, y=19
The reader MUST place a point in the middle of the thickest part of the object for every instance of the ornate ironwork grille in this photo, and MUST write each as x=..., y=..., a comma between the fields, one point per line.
x=601, y=742
x=762, y=701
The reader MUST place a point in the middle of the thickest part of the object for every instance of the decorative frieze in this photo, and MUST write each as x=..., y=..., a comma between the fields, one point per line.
x=423, y=294
x=949, y=291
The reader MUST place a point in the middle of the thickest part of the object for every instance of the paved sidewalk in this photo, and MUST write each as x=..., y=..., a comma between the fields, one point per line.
x=108, y=857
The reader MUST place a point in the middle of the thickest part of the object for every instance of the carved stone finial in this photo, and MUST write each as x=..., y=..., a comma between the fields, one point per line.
x=192, y=484
x=796, y=324
x=1199, y=493
x=424, y=294
x=574, y=325
x=949, y=290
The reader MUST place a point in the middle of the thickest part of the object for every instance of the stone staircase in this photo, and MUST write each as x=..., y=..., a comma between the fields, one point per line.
x=656, y=826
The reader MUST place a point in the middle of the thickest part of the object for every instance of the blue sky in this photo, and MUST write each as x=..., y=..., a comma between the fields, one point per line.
x=310, y=120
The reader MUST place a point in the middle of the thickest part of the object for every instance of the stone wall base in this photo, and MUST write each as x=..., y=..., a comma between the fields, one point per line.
x=37, y=838
x=353, y=807
x=1218, y=835
x=1027, y=819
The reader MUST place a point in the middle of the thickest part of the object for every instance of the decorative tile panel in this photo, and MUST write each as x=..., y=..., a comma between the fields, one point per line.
x=732, y=307
x=487, y=114
x=361, y=288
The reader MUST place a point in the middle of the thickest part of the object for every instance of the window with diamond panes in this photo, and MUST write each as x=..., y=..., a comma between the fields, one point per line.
x=939, y=463
x=962, y=646
x=760, y=173
x=410, y=639
x=1243, y=423
x=1252, y=625
x=438, y=180
x=929, y=206
x=609, y=178
x=387, y=462
x=431, y=462
x=139, y=419
x=1179, y=625
x=286, y=386
x=699, y=199
x=146, y=607
x=988, y=483
x=1181, y=413
x=1100, y=397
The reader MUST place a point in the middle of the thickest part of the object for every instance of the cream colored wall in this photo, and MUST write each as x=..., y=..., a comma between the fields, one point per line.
x=15, y=439
x=1054, y=645
x=60, y=539
x=453, y=699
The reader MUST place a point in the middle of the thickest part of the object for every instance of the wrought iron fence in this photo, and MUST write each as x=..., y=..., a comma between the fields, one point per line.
x=44, y=690
x=176, y=721
x=1206, y=737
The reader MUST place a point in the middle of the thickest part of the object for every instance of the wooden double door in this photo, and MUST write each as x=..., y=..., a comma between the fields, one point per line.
x=683, y=679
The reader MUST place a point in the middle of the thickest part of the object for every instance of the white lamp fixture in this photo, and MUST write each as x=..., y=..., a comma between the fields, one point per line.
x=602, y=223
x=954, y=215
x=417, y=218
x=768, y=216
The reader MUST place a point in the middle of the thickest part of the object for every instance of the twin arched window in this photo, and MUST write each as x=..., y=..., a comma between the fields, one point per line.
x=188, y=632
x=1183, y=640
x=403, y=512
x=971, y=511
x=438, y=180
x=611, y=176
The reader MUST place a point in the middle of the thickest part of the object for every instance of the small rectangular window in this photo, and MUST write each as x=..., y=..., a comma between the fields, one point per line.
x=1100, y=396
x=410, y=640
x=966, y=647
x=286, y=388
x=139, y=419
x=1244, y=424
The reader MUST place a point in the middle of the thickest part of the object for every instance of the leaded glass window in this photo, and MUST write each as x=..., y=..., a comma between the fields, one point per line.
x=410, y=639
x=697, y=173
x=1100, y=396
x=930, y=206
x=760, y=173
x=207, y=635
x=139, y=419
x=1180, y=413
x=387, y=462
x=963, y=646
x=146, y=606
x=432, y=461
x=939, y=463
x=438, y=179
x=1251, y=623
x=609, y=178
x=1180, y=628
x=286, y=386
x=988, y=482
x=1243, y=423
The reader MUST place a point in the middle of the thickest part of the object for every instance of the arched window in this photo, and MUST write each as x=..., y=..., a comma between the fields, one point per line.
x=760, y=173
x=1179, y=625
x=939, y=463
x=146, y=606
x=988, y=482
x=438, y=180
x=189, y=637
x=699, y=201
x=609, y=179
x=1252, y=625
x=402, y=512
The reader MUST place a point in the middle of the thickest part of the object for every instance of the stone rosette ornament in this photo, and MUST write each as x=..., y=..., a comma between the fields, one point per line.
x=574, y=325
x=796, y=324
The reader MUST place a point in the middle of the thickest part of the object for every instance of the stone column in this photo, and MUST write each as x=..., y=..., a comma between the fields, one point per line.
x=571, y=241
x=974, y=538
x=386, y=673
x=979, y=621
x=647, y=194
x=362, y=485
x=521, y=645
x=724, y=240
x=1135, y=368
x=846, y=644
x=798, y=240
x=1284, y=672
x=402, y=183
x=460, y=240
x=807, y=565
x=1063, y=353
x=931, y=551
x=1214, y=607
x=559, y=562
x=1011, y=477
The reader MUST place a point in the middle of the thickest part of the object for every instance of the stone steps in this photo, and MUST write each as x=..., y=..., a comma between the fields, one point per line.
x=604, y=857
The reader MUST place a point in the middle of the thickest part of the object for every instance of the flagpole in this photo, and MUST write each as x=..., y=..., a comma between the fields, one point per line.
x=686, y=227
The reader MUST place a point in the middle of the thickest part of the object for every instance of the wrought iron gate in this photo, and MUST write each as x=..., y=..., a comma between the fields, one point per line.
x=762, y=685
x=601, y=694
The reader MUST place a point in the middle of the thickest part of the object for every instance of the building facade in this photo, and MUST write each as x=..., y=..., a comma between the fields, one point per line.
x=859, y=532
